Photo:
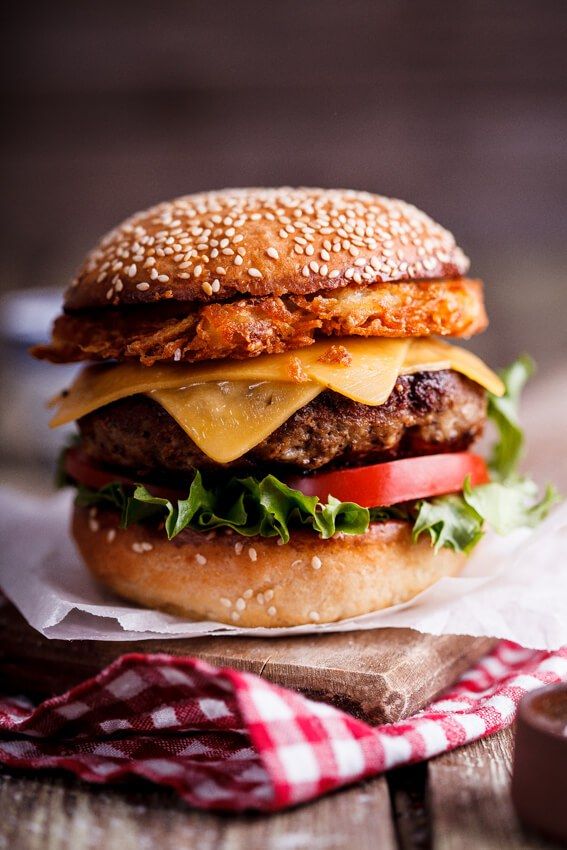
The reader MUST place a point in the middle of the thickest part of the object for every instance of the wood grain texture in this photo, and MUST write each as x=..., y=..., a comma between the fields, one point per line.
x=379, y=675
x=467, y=806
x=61, y=814
x=469, y=799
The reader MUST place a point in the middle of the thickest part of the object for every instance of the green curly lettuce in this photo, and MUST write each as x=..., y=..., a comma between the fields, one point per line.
x=249, y=506
x=510, y=500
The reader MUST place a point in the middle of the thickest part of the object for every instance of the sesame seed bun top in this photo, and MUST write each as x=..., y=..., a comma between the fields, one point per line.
x=214, y=245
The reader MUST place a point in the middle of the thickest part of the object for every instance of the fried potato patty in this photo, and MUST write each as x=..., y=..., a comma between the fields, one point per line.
x=251, y=326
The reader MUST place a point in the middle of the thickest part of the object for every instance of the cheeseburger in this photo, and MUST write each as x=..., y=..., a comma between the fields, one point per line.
x=272, y=427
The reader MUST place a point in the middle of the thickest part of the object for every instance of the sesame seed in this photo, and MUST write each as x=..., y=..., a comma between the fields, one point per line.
x=248, y=593
x=226, y=602
x=316, y=562
x=268, y=594
x=252, y=554
x=220, y=270
x=238, y=547
x=143, y=286
x=403, y=241
x=314, y=615
x=215, y=286
x=177, y=355
x=238, y=260
x=240, y=604
x=260, y=598
x=110, y=535
x=94, y=524
x=235, y=616
x=253, y=272
x=200, y=559
x=207, y=288
x=271, y=611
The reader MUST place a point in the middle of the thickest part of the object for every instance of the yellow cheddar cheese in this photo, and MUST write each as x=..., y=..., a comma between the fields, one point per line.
x=227, y=419
x=229, y=407
x=429, y=354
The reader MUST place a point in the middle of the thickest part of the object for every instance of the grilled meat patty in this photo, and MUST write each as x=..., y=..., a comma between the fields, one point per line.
x=426, y=413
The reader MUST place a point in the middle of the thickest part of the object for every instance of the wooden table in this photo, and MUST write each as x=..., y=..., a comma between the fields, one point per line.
x=459, y=800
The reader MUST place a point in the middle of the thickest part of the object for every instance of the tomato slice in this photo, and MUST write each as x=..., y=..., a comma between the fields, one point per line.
x=374, y=486
x=81, y=469
x=397, y=481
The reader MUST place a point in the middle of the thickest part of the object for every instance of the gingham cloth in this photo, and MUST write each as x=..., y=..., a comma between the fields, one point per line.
x=229, y=740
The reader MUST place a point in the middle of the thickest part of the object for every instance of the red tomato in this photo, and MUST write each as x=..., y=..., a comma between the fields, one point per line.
x=81, y=469
x=397, y=481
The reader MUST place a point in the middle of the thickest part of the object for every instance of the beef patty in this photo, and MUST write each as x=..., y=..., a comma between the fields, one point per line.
x=426, y=413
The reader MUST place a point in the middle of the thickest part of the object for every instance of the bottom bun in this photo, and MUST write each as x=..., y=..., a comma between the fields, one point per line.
x=254, y=581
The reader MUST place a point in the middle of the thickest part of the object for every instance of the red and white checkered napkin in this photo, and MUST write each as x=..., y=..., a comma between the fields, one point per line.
x=230, y=740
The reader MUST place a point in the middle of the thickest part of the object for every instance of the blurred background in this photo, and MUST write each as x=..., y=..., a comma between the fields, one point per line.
x=459, y=107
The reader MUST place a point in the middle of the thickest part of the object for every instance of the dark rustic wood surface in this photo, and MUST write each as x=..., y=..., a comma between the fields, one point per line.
x=459, y=801
x=381, y=675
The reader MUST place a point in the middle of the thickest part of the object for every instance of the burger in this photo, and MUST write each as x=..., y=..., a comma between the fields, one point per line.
x=272, y=429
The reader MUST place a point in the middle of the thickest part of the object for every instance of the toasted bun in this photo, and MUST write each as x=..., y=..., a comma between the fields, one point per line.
x=260, y=242
x=255, y=582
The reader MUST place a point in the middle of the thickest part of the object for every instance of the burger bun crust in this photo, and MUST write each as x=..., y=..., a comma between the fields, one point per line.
x=251, y=582
x=213, y=246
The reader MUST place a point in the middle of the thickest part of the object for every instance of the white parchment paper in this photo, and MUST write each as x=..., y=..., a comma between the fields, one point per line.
x=513, y=587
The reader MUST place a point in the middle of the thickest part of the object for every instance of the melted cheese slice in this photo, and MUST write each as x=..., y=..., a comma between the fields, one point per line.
x=227, y=419
x=371, y=375
x=427, y=354
x=229, y=407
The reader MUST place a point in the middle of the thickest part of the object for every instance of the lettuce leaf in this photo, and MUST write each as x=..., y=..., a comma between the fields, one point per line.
x=458, y=521
x=503, y=411
x=249, y=506
x=509, y=501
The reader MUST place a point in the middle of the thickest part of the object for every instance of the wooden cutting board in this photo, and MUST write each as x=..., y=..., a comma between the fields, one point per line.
x=381, y=675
